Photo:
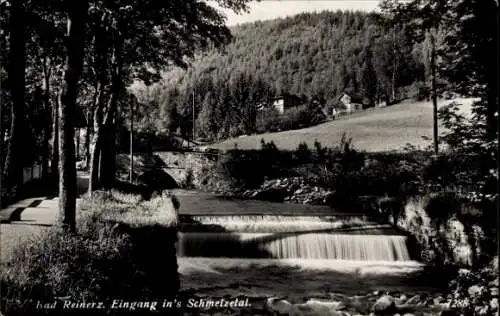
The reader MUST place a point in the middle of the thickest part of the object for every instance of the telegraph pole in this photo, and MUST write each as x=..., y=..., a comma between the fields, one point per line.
x=194, y=128
x=434, y=93
x=131, y=167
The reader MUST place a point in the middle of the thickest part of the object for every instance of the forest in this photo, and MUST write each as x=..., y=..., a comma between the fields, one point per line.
x=316, y=56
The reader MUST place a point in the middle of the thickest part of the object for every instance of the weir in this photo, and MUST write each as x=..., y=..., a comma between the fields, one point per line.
x=291, y=237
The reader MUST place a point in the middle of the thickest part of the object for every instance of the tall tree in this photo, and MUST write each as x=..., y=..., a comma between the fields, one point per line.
x=387, y=7
x=46, y=54
x=368, y=77
x=425, y=18
x=76, y=20
x=157, y=34
x=16, y=78
x=471, y=55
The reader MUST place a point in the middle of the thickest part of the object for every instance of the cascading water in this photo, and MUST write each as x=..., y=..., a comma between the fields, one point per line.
x=254, y=248
x=291, y=237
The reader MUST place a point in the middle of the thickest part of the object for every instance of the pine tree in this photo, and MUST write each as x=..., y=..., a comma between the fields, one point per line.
x=368, y=78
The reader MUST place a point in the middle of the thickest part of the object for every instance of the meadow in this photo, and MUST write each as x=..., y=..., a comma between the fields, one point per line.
x=389, y=128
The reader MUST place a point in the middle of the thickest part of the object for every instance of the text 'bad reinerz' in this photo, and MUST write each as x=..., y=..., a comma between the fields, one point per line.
x=198, y=303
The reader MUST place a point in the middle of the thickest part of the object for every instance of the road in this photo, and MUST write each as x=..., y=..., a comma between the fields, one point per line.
x=29, y=217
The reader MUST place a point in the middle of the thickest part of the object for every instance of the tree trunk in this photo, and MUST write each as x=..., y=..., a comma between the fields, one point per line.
x=108, y=157
x=2, y=149
x=108, y=153
x=492, y=108
x=101, y=47
x=394, y=66
x=131, y=140
x=47, y=133
x=77, y=136
x=75, y=51
x=95, y=151
x=45, y=149
x=55, y=142
x=16, y=72
x=95, y=147
x=87, y=138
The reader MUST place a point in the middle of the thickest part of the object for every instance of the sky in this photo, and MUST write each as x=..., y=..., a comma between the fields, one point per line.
x=272, y=9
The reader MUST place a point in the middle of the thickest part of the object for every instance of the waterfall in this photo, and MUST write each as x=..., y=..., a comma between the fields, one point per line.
x=286, y=246
x=291, y=237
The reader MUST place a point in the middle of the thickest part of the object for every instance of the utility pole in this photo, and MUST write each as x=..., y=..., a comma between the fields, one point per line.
x=395, y=56
x=77, y=143
x=434, y=92
x=131, y=167
x=194, y=127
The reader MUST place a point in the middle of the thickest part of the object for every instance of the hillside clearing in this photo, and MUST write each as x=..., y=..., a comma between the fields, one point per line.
x=382, y=129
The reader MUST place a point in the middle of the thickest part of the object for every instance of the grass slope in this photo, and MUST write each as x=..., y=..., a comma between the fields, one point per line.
x=381, y=129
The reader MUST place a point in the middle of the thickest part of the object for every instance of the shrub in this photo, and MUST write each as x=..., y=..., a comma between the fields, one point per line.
x=105, y=260
x=268, y=120
x=473, y=153
x=379, y=178
x=475, y=292
x=302, y=154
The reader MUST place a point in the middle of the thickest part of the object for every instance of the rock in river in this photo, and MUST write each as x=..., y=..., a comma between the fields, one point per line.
x=384, y=305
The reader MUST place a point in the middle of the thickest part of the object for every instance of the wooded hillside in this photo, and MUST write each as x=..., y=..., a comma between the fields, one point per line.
x=313, y=55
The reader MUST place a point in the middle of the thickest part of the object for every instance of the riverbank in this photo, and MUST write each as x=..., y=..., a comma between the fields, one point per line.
x=339, y=288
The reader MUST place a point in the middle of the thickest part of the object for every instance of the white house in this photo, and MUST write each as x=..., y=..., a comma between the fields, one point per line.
x=282, y=103
x=351, y=103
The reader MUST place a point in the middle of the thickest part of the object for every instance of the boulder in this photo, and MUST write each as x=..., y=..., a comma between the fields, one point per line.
x=475, y=291
x=413, y=300
x=384, y=305
x=494, y=304
x=315, y=307
x=401, y=300
x=494, y=291
x=282, y=307
x=331, y=305
x=437, y=300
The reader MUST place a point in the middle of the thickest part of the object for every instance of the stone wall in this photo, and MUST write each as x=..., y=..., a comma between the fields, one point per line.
x=193, y=170
x=442, y=237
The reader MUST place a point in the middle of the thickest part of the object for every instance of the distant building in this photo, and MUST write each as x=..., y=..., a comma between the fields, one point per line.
x=286, y=101
x=351, y=103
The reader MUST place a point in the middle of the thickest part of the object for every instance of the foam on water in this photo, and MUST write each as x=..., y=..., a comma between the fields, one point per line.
x=278, y=226
x=194, y=265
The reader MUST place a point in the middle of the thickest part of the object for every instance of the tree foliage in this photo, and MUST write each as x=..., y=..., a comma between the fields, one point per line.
x=53, y=76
